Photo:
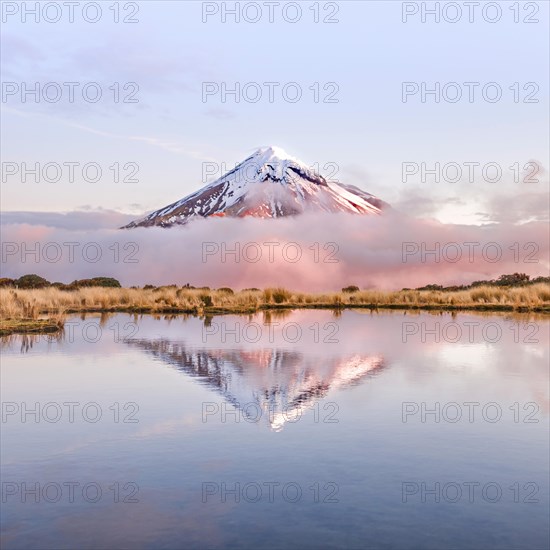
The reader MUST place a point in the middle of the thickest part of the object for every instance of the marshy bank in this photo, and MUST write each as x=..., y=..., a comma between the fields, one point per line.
x=42, y=309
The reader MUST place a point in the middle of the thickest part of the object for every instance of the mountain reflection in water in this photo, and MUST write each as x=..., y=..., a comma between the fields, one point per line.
x=280, y=384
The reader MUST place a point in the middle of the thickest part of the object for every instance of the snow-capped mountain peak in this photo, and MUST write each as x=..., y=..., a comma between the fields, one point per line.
x=273, y=163
x=272, y=153
x=268, y=184
x=269, y=164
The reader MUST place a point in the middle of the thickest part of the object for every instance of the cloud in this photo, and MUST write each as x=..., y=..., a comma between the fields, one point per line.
x=172, y=146
x=145, y=79
x=85, y=219
x=531, y=205
x=308, y=253
x=220, y=114
x=16, y=49
x=479, y=202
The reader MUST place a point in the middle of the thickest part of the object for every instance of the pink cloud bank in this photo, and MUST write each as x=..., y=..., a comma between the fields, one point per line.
x=308, y=253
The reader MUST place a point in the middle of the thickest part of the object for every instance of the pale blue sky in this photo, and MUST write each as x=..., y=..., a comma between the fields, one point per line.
x=369, y=133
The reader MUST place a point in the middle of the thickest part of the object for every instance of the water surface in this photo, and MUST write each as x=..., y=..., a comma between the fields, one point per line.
x=303, y=429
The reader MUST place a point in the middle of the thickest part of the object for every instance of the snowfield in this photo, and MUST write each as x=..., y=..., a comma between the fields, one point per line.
x=268, y=184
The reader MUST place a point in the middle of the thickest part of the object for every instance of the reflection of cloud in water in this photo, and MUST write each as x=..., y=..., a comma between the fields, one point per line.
x=274, y=384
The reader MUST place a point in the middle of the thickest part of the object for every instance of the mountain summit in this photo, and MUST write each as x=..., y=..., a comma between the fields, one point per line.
x=268, y=184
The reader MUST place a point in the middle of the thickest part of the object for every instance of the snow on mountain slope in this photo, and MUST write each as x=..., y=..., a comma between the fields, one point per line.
x=268, y=184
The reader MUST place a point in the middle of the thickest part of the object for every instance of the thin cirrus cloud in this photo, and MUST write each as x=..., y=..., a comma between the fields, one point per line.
x=172, y=146
x=155, y=75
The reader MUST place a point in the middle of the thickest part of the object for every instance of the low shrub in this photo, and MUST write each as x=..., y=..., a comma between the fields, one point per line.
x=31, y=281
x=226, y=289
x=350, y=289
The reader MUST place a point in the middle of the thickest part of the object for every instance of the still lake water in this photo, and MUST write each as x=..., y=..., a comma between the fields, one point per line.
x=307, y=429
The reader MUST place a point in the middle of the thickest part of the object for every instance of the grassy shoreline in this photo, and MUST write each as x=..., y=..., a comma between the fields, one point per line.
x=21, y=311
x=29, y=326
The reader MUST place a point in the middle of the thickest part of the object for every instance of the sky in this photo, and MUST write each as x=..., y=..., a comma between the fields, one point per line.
x=125, y=107
x=356, y=56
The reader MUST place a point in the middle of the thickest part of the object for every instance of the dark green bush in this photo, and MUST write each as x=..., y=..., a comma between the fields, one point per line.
x=351, y=288
x=31, y=281
x=515, y=279
x=108, y=282
x=431, y=287
x=226, y=289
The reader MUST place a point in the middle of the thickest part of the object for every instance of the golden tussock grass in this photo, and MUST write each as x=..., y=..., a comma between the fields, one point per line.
x=55, y=303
